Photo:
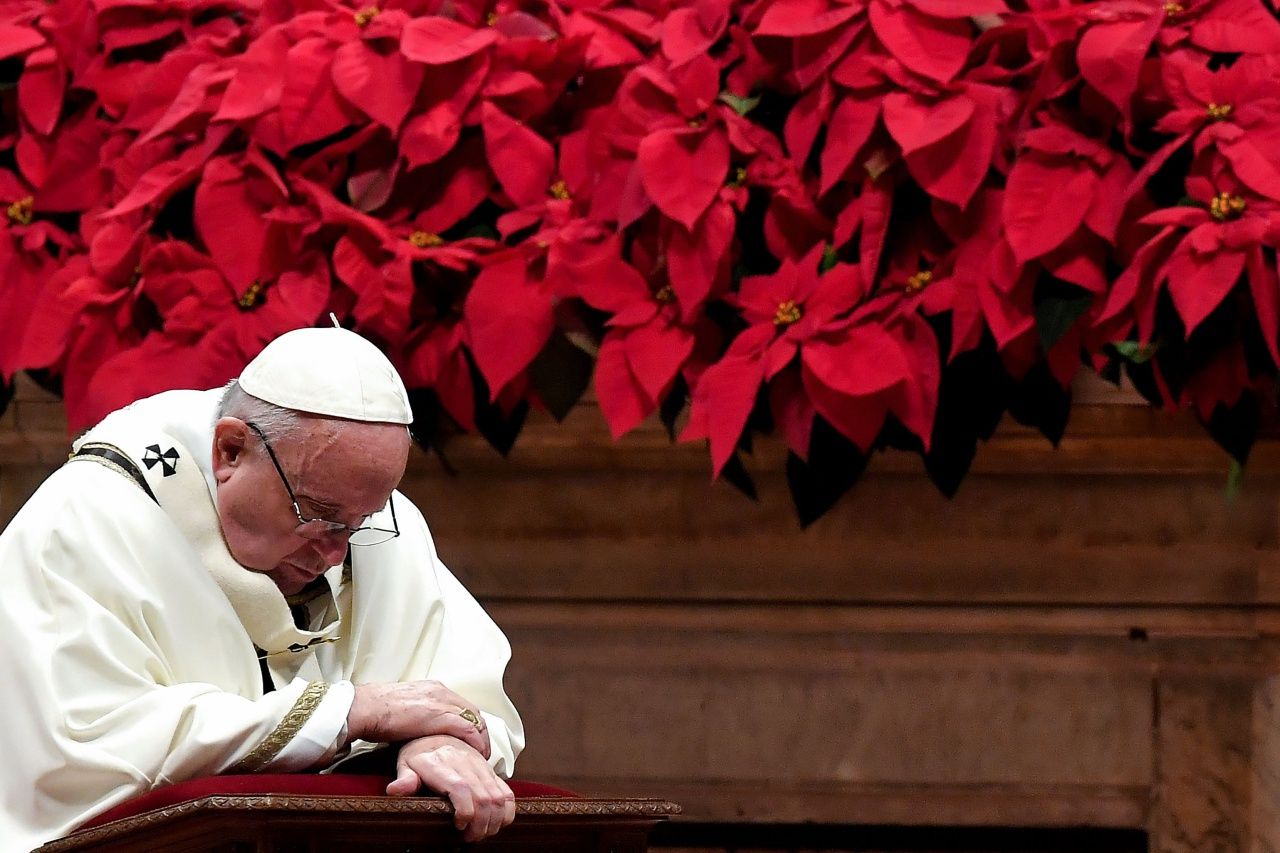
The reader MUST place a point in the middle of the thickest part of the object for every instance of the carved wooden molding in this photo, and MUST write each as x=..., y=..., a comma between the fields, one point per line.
x=363, y=806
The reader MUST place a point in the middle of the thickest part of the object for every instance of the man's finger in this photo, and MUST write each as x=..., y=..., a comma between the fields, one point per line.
x=467, y=732
x=464, y=806
x=491, y=800
x=509, y=804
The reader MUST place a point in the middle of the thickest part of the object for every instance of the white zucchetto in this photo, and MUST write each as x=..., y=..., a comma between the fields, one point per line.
x=328, y=371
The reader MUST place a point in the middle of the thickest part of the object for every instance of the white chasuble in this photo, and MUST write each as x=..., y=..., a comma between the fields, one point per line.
x=131, y=640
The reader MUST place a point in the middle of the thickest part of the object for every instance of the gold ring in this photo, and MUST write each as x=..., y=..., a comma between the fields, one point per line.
x=471, y=717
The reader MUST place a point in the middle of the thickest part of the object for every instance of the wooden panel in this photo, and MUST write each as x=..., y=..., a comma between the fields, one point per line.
x=861, y=714
x=667, y=535
x=1202, y=797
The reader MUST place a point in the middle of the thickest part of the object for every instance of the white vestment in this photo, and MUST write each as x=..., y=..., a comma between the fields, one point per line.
x=130, y=642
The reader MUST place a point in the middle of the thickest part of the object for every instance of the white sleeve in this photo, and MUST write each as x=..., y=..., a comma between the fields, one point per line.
x=121, y=673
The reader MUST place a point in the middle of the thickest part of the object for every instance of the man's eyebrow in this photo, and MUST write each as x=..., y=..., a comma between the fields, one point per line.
x=318, y=503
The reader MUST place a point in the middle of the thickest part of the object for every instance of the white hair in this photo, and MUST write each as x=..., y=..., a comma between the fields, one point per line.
x=276, y=422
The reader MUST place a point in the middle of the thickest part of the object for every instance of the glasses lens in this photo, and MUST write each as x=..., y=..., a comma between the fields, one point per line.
x=372, y=536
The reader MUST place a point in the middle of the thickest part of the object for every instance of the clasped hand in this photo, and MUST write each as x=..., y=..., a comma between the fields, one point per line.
x=482, y=801
x=394, y=712
x=442, y=747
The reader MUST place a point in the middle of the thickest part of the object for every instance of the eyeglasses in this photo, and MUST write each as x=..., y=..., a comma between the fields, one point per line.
x=319, y=528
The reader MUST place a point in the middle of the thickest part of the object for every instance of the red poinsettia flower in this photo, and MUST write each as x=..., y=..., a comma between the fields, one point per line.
x=1117, y=37
x=1233, y=109
x=375, y=257
x=984, y=271
x=55, y=177
x=646, y=342
x=435, y=358
x=669, y=144
x=784, y=311
x=1199, y=256
x=209, y=327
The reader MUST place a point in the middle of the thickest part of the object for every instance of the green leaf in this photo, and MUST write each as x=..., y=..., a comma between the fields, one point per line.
x=740, y=105
x=1136, y=351
x=484, y=230
x=561, y=373
x=829, y=258
x=1057, y=309
x=1235, y=480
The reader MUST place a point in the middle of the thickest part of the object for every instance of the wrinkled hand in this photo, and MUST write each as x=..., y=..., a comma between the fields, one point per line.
x=482, y=801
x=387, y=713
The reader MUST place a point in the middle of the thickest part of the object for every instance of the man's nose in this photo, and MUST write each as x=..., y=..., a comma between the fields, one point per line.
x=332, y=548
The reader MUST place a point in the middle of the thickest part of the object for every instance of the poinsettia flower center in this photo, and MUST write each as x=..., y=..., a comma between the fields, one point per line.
x=252, y=296
x=739, y=177
x=1225, y=206
x=366, y=15
x=22, y=210
x=491, y=19
x=425, y=240
x=917, y=282
x=664, y=294
x=560, y=190
x=1218, y=112
x=1171, y=8
x=788, y=312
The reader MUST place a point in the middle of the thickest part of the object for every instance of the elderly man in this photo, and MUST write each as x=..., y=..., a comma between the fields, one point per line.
x=227, y=581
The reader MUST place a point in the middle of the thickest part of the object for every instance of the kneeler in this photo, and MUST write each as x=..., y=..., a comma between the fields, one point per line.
x=327, y=813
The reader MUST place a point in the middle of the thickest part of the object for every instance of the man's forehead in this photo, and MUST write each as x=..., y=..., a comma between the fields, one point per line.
x=339, y=459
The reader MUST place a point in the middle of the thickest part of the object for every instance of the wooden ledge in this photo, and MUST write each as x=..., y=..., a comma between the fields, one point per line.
x=384, y=819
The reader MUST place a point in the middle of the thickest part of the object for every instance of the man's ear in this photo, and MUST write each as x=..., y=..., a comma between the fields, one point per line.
x=230, y=435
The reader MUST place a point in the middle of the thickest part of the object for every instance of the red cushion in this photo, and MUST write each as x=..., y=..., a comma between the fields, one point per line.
x=284, y=784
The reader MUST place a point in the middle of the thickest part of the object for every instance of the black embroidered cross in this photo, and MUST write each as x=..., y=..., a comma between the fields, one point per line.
x=168, y=459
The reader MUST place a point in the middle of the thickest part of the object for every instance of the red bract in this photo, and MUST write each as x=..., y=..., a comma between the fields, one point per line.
x=646, y=343
x=436, y=358
x=509, y=317
x=930, y=37
x=947, y=139
x=1061, y=183
x=681, y=144
x=991, y=284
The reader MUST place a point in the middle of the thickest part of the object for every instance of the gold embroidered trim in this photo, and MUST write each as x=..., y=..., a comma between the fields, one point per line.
x=285, y=731
x=105, y=462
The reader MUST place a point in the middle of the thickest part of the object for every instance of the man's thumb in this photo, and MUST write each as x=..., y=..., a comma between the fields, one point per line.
x=405, y=784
